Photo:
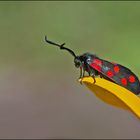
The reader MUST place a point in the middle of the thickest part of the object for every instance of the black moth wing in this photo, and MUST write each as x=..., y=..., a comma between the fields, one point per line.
x=122, y=73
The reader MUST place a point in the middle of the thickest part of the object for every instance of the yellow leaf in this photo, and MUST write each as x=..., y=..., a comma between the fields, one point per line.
x=113, y=94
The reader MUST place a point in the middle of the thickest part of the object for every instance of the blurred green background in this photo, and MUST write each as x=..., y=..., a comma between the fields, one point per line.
x=40, y=96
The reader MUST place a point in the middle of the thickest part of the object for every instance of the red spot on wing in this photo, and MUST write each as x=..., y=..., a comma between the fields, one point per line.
x=97, y=61
x=132, y=79
x=109, y=73
x=116, y=69
x=124, y=81
x=95, y=66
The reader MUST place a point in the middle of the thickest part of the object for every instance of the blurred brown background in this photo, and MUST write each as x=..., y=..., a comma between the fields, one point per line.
x=40, y=96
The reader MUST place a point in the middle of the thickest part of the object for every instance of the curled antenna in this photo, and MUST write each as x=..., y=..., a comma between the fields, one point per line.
x=60, y=46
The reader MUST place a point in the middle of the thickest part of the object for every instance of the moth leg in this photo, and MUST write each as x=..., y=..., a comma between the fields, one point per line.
x=101, y=76
x=80, y=72
x=93, y=76
x=83, y=73
x=92, y=73
x=80, y=75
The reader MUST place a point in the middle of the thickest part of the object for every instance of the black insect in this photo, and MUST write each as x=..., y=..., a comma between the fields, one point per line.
x=96, y=66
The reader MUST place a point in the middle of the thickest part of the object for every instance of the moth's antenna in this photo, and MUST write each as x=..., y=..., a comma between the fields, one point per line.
x=60, y=46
